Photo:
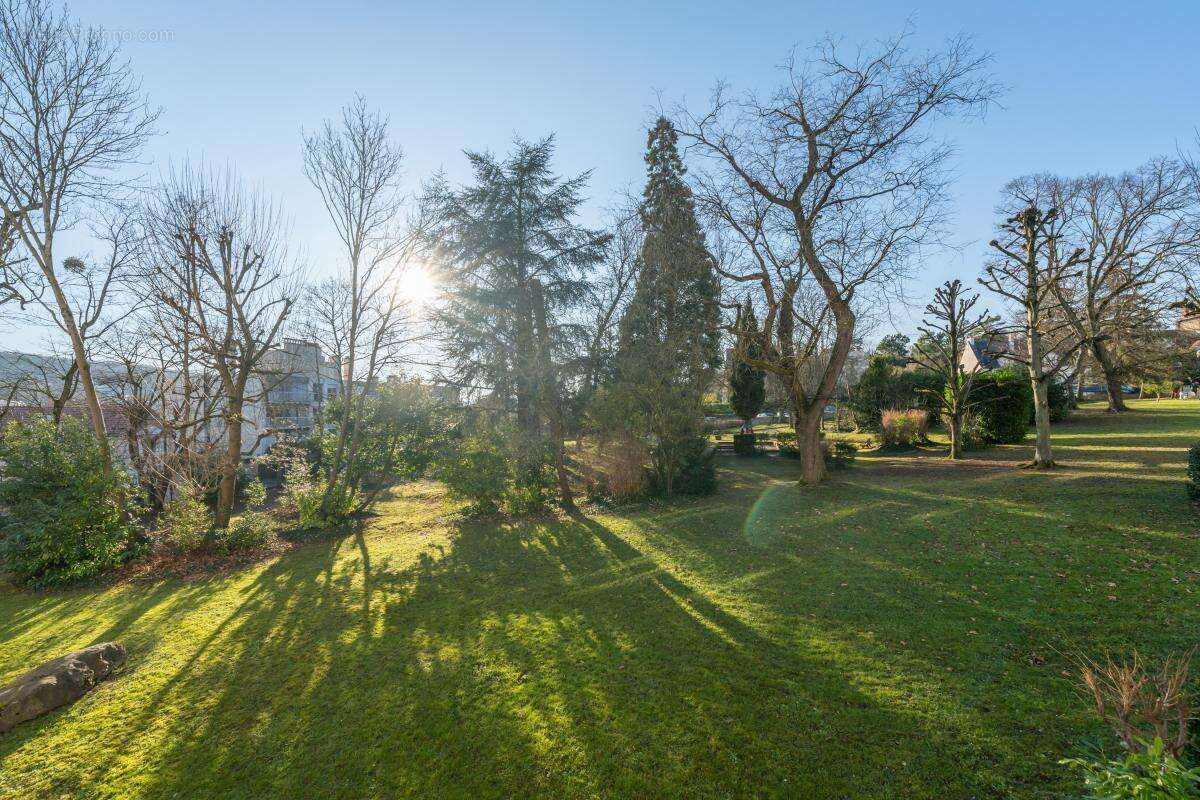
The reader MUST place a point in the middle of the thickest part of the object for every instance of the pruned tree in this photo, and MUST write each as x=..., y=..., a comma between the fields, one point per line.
x=71, y=113
x=832, y=183
x=1033, y=259
x=360, y=314
x=947, y=329
x=220, y=262
x=747, y=383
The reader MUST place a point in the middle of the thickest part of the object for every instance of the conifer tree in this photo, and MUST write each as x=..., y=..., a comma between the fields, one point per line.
x=748, y=383
x=669, y=337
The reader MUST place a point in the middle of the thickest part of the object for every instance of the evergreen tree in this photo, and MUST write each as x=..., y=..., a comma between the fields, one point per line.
x=669, y=337
x=747, y=382
x=516, y=263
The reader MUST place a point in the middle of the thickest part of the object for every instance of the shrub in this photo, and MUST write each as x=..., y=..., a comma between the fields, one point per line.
x=1193, y=472
x=1002, y=400
x=624, y=464
x=185, y=520
x=493, y=472
x=694, y=469
x=971, y=431
x=248, y=531
x=787, y=444
x=840, y=454
x=883, y=385
x=1157, y=389
x=1142, y=704
x=65, y=519
x=1148, y=773
x=904, y=427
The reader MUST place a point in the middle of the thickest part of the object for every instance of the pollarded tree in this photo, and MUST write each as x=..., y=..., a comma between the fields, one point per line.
x=218, y=259
x=670, y=334
x=1032, y=261
x=947, y=330
x=832, y=184
x=747, y=382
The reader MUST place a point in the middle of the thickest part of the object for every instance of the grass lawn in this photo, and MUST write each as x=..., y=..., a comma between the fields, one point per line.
x=905, y=630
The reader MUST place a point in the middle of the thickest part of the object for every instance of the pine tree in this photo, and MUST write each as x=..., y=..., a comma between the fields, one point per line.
x=669, y=336
x=747, y=382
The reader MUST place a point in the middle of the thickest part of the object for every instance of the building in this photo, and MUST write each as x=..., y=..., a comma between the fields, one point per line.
x=299, y=380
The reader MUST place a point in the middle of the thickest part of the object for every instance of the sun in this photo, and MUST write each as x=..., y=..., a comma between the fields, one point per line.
x=417, y=286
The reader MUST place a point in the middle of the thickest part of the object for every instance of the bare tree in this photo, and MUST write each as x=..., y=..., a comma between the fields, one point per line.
x=70, y=114
x=356, y=168
x=948, y=328
x=220, y=262
x=609, y=293
x=832, y=183
x=1139, y=229
x=1032, y=262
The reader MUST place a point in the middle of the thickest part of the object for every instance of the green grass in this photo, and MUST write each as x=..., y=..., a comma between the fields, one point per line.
x=905, y=630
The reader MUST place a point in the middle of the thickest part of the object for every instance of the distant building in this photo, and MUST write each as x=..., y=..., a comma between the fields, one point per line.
x=983, y=353
x=299, y=380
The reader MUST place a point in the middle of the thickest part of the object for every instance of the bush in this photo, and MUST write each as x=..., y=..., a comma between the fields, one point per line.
x=884, y=385
x=694, y=469
x=185, y=520
x=249, y=531
x=624, y=464
x=65, y=519
x=494, y=472
x=1002, y=399
x=1193, y=472
x=1146, y=774
x=840, y=454
x=904, y=427
x=787, y=444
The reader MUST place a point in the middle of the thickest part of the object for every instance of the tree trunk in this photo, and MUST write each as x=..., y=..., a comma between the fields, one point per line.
x=1112, y=380
x=548, y=384
x=227, y=490
x=1043, y=457
x=954, y=422
x=82, y=366
x=807, y=425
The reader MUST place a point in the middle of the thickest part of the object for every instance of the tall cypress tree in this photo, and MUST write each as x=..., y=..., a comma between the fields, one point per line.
x=748, y=383
x=669, y=336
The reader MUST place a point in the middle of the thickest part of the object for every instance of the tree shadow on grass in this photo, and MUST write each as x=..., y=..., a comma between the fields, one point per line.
x=553, y=659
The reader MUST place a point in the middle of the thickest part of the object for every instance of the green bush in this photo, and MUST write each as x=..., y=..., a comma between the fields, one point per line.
x=883, y=386
x=1002, y=399
x=840, y=454
x=1193, y=472
x=492, y=471
x=249, y=531
x=1148, y=774
x=1061, y=400
x=185, y=520
x=695, y=470
x=65, y=519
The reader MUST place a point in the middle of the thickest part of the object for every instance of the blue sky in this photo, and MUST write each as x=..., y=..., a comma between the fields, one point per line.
x=1090, y=86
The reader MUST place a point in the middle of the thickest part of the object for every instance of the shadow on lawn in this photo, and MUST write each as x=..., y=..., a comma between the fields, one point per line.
x=550, y=659
x=869, y=637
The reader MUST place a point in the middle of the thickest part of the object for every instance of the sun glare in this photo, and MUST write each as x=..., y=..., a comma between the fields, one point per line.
x=417, y=286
